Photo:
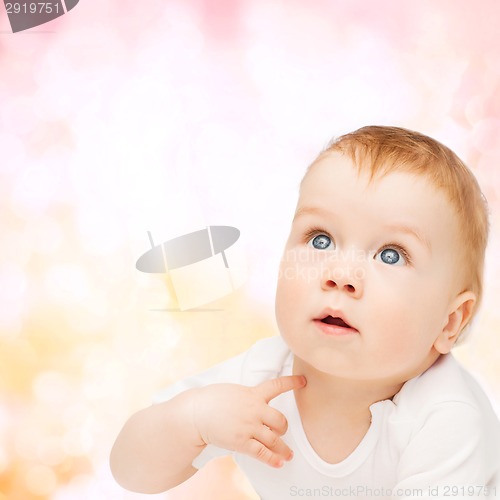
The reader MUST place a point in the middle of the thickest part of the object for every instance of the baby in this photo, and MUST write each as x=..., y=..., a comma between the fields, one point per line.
x=359, y=397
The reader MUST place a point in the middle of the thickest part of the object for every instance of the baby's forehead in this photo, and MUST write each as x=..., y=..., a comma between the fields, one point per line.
x=335, y=182
x=331, y=168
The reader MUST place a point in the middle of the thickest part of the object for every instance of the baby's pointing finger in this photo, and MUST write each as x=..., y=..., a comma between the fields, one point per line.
x=276, y=386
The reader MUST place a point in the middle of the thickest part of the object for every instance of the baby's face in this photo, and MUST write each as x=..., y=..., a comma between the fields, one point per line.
x=381, y=256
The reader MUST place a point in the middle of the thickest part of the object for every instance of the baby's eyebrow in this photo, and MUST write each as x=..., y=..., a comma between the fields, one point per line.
x=312, y=210
x=403, y=228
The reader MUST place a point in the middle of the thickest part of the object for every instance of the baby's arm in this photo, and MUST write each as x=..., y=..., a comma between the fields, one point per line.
x=156, y=447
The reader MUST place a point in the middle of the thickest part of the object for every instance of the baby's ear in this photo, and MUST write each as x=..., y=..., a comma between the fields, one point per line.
x=459, y=315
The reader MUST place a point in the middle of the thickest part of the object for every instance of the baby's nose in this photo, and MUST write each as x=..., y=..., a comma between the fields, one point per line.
x=345, y=278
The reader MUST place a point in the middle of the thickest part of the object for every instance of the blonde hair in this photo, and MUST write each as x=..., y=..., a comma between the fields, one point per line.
x=380, y=150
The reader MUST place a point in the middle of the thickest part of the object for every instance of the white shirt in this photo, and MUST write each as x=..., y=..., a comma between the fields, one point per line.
x=438, y=438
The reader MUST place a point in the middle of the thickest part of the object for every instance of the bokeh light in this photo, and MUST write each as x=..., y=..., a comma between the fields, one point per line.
x=167, y=116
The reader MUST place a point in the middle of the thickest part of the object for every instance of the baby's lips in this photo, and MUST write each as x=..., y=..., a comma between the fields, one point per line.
x=335, y=313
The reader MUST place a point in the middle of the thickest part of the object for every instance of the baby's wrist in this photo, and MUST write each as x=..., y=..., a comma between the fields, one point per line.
x=199, y=416
x=191, y=416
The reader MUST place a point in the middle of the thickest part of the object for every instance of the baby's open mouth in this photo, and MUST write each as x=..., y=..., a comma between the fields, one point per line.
x=330, y=320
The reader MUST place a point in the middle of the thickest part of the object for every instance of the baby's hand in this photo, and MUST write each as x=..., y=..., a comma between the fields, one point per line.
x=236, y=417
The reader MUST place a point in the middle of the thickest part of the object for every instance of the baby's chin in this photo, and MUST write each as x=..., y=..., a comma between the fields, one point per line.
x=315, y=363
x=324, y=366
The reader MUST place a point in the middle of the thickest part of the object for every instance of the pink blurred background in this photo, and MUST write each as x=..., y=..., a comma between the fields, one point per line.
x=124, y=117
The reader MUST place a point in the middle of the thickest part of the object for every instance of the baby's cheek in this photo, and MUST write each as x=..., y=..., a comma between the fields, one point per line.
x=288, y=294
x=292, y=274
x=404, y=337
x=286, y=289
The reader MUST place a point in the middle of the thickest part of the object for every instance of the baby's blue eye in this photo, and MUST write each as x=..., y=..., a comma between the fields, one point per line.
x=391, y=256
x=321, y=242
